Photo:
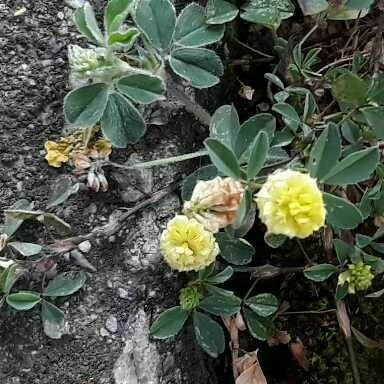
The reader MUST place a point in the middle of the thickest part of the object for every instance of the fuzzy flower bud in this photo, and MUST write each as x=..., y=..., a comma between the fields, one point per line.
x=190, y=298
x=82, y=60
x=214, y=203
x=187, y=245
x=358, y=276
x=291, y=204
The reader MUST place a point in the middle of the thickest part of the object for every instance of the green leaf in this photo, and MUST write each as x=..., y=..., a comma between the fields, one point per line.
x=249, y=130
x=51, y=313
x=264, y=304
x=208, y=172
x=53, y=320
x=275, y=80
x=221, y=305
x=223, y=158
x=234, y=251
x=343, y=250
x=259, y=153
x=354, y=168
x=225, y=125
x=192, y=29
x=220, y=12
x=9, y=276
x=274, y=241
x=11, y=224
x=245, y=216
x=288, y=114
x=125, y=39
x=26, y=249
x=86, y=23
x=142, y=88
x=122, y=124
x=267, y=17
x=341, y=213
x=52, y=221
x=209, y=334
x=341, y=291
x=351, y=89
x=62, y=189
x=259, y=327
x=220, y=277
x=375, y=118
x=313, y=7
x=157, y=20
x=65, y=284
x=325, y=153
x=23, y=301
x=320, y=272
x=84, y=107
x=359, y=4
x=115, y=13
x=363, y=241
x=169, y=323
x=200, y=66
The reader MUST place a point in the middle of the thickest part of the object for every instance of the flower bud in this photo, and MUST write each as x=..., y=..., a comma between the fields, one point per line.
x=358, y=276
x=190, y=298
x=215, y=203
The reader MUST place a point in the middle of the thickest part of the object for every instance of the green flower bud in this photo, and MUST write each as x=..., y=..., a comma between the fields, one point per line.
x=358, y=276
x=190, y=298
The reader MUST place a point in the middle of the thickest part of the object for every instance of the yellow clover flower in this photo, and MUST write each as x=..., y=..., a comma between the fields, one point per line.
x=187, y=245
x=291, y=204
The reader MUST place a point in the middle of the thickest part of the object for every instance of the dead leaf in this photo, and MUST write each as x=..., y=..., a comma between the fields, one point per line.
x=299, y=353
x=280, y=337
x=246, y=92
x=366, y=341
x=343, y=318
x=250, y=370
x=239, y=321
x=379, y=221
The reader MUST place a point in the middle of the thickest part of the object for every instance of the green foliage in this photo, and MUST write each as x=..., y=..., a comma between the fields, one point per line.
x=235, y=251
x=220, y=12
x=268, y=13
x=209, y=334
x=263, y=305
x=261, y=328
x=126, y=63
x=169, y=323
x=320, y=272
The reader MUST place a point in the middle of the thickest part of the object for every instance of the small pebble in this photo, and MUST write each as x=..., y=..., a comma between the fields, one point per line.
x=85, y=246
x=111, y=324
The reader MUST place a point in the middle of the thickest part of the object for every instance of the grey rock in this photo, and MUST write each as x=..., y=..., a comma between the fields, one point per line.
x=111, y=324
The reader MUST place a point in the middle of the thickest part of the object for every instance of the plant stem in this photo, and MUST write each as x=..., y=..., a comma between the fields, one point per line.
x=304, y=252
x=308, y=312
x=159, y=162
x=352, y=355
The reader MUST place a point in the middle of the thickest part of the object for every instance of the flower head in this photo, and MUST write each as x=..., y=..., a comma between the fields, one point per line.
x=187, y=245
x=214, y=203
x=58, y=151
x=358, y=276
x=190, y=298
x=291, y=204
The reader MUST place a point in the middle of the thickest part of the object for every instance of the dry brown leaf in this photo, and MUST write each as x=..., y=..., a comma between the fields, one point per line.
x=250, y=371
x=280, y=337
x=379, y=221
x=299, y=353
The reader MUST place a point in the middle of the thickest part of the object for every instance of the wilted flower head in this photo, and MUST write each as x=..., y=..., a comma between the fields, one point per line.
x=358, y=276
x=190, y=298
x=214, y=203
x=187, y=245
x=72, y=148
x=291, y=204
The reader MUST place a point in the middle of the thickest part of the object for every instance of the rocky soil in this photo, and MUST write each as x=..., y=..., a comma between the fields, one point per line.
x=106, y=338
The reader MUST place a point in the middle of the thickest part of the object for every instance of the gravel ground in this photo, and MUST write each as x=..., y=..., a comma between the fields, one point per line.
x=106, y=340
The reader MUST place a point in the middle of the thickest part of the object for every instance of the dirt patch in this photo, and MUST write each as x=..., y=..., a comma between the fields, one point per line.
x=107, y=334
